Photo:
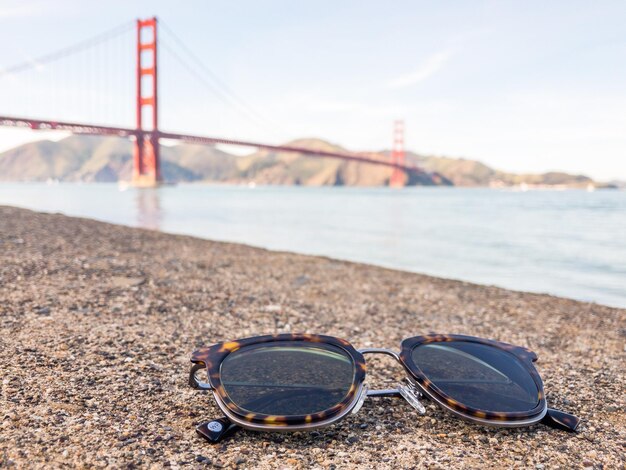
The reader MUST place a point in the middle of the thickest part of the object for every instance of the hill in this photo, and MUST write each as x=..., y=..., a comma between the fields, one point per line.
x=472, y=173
x=108, y=159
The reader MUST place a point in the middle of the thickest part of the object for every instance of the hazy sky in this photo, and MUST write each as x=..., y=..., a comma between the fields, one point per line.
x=522, y=86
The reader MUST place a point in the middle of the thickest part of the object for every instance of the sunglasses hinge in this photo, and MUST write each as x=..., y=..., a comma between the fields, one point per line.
x=193, y=380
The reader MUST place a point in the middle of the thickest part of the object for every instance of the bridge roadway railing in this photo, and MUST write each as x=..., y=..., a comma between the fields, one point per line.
x=89, y=129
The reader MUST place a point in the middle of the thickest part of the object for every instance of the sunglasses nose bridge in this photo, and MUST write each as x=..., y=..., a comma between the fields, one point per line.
x=385, y=351
x=410, y=392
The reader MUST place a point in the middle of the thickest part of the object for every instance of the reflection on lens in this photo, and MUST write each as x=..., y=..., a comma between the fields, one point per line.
x=287, y=378
x=478, y=376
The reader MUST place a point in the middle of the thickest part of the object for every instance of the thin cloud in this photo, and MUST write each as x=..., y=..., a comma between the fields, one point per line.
x=20, y=9
x=428, y=68
x=312, y=102
x=16, y=11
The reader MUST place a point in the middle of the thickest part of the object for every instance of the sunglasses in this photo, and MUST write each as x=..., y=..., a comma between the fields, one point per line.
x=294, y=382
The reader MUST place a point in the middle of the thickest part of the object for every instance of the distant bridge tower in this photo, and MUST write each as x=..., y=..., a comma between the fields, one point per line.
x=398, y=176
x=146, y=156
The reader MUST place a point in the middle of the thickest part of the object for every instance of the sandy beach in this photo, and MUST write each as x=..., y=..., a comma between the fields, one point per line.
x=97, y=323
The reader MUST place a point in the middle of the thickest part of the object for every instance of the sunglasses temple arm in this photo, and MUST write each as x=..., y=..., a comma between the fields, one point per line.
x=409, y=392
x=561, y=420
x=216, y=430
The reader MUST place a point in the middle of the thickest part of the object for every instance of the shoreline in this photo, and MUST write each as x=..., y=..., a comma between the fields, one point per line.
x=335, y=258
x=317, y=255
x=252, y=185
x=581, y=267
x=98, y=322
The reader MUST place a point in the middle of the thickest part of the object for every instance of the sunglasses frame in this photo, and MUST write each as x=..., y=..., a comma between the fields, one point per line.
x=211, y=358
x=505, y=419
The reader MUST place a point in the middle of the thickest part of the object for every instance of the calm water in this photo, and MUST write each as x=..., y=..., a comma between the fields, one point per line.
x=567, y=243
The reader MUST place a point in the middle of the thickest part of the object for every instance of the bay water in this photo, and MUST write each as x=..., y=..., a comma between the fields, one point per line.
x=568, y=243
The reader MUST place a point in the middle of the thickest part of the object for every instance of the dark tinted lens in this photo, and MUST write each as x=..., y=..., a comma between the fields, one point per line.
x=478, y=376
x=287, y=378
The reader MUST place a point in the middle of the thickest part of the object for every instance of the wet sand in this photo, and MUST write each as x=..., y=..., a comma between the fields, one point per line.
x=97, y=323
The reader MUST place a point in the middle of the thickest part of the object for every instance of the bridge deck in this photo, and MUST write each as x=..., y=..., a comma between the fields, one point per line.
x=90, y=129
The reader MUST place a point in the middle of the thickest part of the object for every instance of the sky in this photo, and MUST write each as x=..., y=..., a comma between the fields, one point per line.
x=522, y=86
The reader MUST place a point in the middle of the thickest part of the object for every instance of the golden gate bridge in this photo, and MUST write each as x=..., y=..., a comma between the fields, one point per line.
x=146, y=136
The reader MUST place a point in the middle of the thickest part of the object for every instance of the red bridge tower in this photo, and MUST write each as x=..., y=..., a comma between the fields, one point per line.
x=146, y=157
x=398, y=176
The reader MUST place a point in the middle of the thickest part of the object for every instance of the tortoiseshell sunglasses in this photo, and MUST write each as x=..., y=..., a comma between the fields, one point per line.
x=292, y=382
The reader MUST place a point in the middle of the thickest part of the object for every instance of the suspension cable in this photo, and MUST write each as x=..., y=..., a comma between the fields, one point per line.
x=67, y=51
x=211, y=87
x=217, y=82
x=194, y=72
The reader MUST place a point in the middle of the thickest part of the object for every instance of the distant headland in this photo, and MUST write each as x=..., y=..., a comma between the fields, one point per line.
x=108, y=159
